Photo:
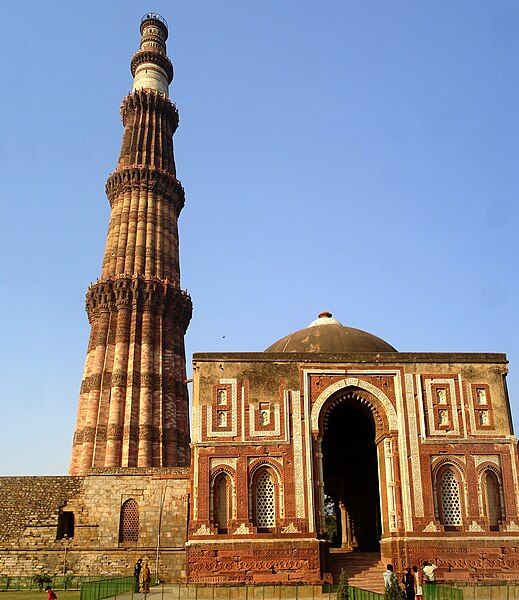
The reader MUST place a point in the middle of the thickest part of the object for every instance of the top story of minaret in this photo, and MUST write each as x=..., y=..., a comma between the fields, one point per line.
x=133, y=405
x=151, y=68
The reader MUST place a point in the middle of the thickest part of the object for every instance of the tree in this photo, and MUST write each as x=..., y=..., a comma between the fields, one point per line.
x=41, y=580
x=330, y=518
x=343, y=589
x=393, y=590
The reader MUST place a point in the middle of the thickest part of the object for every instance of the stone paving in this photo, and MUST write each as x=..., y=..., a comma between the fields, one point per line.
x=172, y=591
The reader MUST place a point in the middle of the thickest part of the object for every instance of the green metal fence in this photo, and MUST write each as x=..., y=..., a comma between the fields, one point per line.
x=496, y=591
x=355, y=593
x=360, y=594
x=104, y=588
x=441, y=592
x=62, y=582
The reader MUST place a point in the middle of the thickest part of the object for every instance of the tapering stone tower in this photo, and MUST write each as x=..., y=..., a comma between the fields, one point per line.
x=133, y=405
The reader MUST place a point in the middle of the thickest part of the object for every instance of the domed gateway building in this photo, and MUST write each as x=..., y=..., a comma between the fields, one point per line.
x=333, y=450
x=329, y=449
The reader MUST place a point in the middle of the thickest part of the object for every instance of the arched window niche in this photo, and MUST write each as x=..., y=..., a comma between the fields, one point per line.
x=129, y=522
x=222, y=502
x=492, y=499
x=449, y=494
x=264, y=500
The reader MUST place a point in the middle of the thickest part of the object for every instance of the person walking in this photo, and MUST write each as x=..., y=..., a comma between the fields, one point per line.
x=145, y=578
x=418, y=580
x=137, y=573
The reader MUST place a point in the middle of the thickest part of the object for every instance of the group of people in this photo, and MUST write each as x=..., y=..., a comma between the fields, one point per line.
x=142, y=575
x=413, y=579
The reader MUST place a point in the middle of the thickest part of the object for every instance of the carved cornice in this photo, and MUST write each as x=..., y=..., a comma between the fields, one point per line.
x=140, y=177
x=149, y=100
x=137, y=293
x=148, y=56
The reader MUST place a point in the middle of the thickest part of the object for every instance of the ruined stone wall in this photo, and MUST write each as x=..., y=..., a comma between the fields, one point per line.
x=30, y=508
x=30, y=504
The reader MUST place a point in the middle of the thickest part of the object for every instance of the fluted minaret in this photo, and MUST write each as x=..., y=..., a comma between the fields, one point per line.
x=133, y=404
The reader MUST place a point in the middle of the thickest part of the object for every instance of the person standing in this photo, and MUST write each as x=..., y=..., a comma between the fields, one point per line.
x=387, y=575
x=145, y=578
x=429, y=573
x=418, y=580
x=409, y=584
x=137, y=573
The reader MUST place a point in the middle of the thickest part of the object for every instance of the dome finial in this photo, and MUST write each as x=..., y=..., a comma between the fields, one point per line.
x=324, y=318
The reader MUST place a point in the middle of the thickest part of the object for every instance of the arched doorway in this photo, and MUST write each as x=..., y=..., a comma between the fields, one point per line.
x=350, y=473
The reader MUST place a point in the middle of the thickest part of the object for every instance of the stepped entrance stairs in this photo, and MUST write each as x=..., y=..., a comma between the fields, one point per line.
x=363, y=569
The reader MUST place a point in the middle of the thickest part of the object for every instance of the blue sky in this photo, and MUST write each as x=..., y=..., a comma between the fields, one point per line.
x=352, y=156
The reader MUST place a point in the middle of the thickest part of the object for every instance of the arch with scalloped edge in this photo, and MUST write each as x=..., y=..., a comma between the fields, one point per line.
x=380, y=403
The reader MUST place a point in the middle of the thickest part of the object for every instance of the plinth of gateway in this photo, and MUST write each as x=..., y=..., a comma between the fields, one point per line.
x=328, y=449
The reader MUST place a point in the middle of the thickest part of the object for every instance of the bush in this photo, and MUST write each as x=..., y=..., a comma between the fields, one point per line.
x=393, y=590
x=41, y=580
x=343, y=590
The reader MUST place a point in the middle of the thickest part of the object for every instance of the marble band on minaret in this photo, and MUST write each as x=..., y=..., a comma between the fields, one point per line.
x=133, y=405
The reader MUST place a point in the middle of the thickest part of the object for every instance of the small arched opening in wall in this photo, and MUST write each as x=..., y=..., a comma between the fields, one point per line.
x=351, y=423
x=449, y=487
x=221, y=500
x=264, y=488
x=492, y=493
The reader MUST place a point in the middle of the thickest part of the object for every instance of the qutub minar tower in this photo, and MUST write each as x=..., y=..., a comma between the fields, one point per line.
x=133, y=406
x=330, y=450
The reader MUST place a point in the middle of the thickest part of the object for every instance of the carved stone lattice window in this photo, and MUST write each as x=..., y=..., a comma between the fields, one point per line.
x=265, y=501
x=129, y=524
x=450, y=500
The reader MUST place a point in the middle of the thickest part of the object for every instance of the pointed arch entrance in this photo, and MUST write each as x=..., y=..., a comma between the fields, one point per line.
x=354, y=427
x=350, y=474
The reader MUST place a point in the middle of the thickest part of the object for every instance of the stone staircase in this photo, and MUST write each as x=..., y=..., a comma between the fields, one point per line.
x=363, y=569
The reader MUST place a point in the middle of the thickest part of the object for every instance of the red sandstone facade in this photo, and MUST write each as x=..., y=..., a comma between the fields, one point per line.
x=444, y=468
x=133, y=405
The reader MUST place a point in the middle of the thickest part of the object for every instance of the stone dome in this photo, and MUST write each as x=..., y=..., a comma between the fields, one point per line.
x=326, y=334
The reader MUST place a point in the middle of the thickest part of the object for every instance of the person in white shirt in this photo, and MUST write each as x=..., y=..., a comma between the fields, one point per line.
x=428, y=572
x=387, y=575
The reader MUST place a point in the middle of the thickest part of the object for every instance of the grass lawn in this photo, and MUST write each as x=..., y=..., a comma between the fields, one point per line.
x=32, y=595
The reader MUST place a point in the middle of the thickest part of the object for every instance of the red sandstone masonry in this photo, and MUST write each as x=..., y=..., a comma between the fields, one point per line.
x=133, y=405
